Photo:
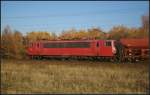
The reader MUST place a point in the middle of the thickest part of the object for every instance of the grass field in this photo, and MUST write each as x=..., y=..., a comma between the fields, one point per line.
x=55, y=76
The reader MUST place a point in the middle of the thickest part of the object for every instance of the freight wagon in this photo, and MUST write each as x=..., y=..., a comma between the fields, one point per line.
x=135, y=49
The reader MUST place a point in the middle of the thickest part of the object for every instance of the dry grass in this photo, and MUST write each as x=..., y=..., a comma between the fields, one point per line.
x=54, y=76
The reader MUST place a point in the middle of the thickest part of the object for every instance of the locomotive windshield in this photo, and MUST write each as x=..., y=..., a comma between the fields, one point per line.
x=108, y=43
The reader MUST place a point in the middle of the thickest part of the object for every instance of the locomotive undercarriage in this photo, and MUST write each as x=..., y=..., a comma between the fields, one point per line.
x=116, y=59
x=92, y=58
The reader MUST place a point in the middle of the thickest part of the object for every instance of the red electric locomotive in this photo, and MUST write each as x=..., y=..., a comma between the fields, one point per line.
x=125, y=49
x=88, y=48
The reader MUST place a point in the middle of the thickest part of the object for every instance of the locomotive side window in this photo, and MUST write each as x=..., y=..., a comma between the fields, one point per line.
x=108, y=43
x=50, y=45
x=67, y=45
x=77, y=45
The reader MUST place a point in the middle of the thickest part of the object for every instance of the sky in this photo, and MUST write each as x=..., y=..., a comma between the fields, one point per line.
x=57, y=16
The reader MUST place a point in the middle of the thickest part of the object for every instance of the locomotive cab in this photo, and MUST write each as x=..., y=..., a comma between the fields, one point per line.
x=30, y=48
x=33, y=48
x=106, y=48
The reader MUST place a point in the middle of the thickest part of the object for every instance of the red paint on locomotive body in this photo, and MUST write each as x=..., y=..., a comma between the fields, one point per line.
x=72, y=48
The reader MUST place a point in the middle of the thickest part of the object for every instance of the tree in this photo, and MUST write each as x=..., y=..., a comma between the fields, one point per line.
x=82, y=34
x=95, y=33
x=36, y=36
x=118, y=32
x=69, y=34
x=7, y=42
x=19, y=46
x=145, y=26
x=53, y=36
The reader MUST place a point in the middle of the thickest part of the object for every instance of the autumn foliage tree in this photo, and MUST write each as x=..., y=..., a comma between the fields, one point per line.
x=145, y=26
x=118, y=32
x=7, y=42
x=11, y=42
x=19, y=47
x=73, y=34
x=96, y=33
x=70, y=34
x=35, y=36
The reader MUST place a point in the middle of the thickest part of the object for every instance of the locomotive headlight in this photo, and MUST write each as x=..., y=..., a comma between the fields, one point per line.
x=114, y=51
